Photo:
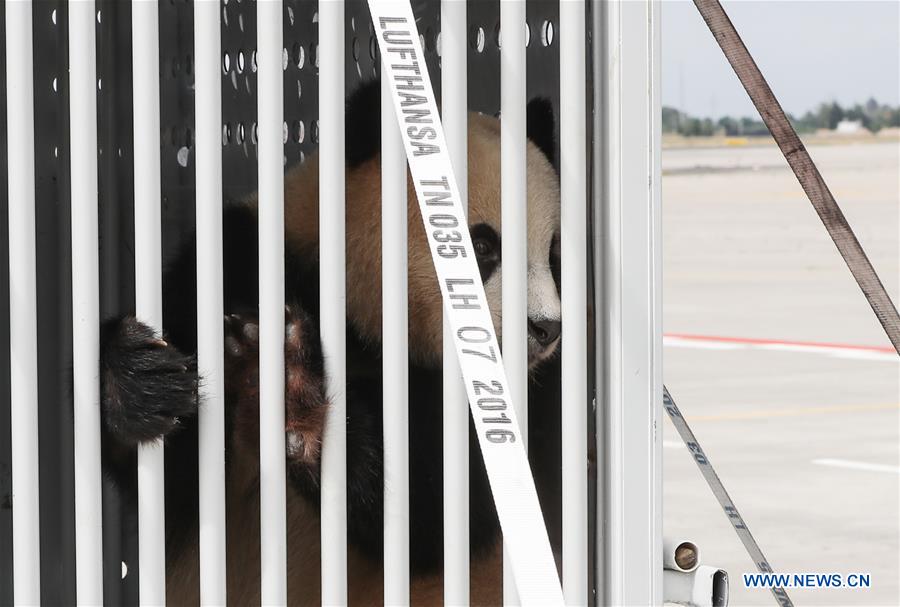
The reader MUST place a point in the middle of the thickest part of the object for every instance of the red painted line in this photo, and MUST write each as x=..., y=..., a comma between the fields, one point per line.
x=777, y=342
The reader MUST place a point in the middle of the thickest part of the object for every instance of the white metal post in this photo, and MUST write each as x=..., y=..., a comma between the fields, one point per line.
x=333, y=299
x=272, y=475
x=627, y=215
x=573, y=253
x=395, y=355
x=148, y=284
x=454, y=102
x=514, y=214
x=85, y=302
x=22, y=304
x=210, y=307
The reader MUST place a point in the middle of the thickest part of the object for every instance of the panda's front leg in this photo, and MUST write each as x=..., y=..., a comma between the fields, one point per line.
x=148, y=390
x=304, y=390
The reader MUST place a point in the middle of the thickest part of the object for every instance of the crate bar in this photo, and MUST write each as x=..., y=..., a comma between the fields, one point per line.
x=272, y=487
x=210, y=307
x=454, y=109
x=627, y=216
x=148, y=284
x=85, y=303
x=333, y=299
x=395, y=355
x=514, y=238
x=22, y=304
x=573, y=252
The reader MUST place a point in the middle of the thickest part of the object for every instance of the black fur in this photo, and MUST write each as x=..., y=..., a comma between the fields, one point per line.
x=362, y=138
x=540, y=125
x=487, y=249
x=148, y=386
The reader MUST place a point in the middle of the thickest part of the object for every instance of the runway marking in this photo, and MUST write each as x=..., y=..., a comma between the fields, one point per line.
x=845, y=351
x=846, y=463
x=673, y=444
x=793, y=411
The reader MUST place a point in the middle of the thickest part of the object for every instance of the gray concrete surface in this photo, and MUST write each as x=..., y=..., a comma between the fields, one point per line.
x=746, y=257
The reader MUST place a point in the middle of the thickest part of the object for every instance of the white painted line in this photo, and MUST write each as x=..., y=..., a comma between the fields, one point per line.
x=843, y=351
x=679, y=342
x=846, y=463
x=673, y=444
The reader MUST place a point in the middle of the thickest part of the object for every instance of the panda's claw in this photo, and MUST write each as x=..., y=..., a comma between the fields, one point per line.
x=251, y=332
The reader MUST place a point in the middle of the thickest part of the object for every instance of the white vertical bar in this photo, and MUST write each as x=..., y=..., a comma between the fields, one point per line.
x=85, y=302
x=573, y=251
x=395, y=355
x=272, y=478
x=210, y=307
x=514, y=213
x=454, y=102
x=22, y=304
x=148, y=284
x=333, y=299
x=633, y=354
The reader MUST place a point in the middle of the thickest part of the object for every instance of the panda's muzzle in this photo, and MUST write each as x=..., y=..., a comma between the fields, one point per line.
x=544, y=332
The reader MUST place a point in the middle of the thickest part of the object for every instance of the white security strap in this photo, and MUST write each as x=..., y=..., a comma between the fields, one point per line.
x=525, y=537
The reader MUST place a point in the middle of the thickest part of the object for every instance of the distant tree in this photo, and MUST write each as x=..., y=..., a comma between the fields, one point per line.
x=871, y=114
x=858, y=113
x=872, y=106
x=893, y=117
x=730, y=125
x=830, y=114
x=671, y=120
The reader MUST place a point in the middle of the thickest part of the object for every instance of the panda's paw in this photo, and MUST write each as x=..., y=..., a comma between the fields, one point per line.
x=147, y=385
x=304, y=392
x=305, y=400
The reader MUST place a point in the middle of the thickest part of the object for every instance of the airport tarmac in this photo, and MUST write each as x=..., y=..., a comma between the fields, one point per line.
x=778, y=363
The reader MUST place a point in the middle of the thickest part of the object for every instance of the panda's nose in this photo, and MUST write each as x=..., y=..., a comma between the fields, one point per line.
x=544, y=332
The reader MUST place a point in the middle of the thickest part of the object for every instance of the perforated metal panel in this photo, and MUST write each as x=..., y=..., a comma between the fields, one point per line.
x=300, y=61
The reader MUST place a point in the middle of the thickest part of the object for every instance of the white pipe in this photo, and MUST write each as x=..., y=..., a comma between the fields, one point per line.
x=704, y=587
x=85, y=302
x=680, y=555
x=573, y=252
x=26, y=546
x=148, y=284
x=270, y=147
x=454, y=102
x=514, y=213
x=333, y=299
x=395, y=355
x=210, y=307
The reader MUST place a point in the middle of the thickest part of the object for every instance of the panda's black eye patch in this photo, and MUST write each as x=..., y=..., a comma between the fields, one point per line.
x=486, y=242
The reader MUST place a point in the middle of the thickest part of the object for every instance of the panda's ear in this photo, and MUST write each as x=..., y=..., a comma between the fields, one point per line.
x=362, y=136
x=541, y=126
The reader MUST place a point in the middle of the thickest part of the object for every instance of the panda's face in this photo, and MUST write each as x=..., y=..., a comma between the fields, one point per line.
x=544, y=324
x=544, y=317
x=363, y=208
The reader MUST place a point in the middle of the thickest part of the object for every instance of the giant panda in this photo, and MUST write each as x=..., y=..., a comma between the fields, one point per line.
x=150, y=388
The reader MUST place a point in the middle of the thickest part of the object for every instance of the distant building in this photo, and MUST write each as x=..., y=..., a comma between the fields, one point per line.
x=850, y=127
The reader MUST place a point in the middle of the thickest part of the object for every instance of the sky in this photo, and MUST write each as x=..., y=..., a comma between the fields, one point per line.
x=810, y=51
